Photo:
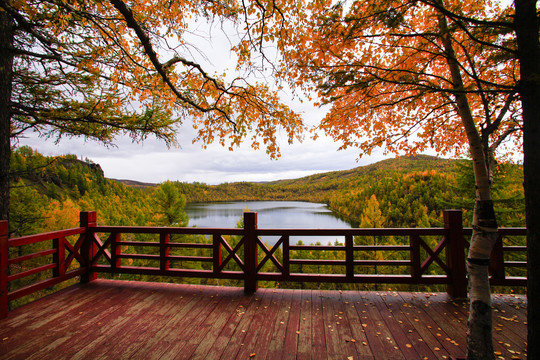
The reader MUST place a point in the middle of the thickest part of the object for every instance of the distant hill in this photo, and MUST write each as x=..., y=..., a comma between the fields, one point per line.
x=321, y=187
x=325, y=180
x=404, y=191
x=399, y=164
x=136, y=184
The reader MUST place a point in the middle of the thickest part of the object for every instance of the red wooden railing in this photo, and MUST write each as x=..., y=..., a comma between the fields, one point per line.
x=225, y=261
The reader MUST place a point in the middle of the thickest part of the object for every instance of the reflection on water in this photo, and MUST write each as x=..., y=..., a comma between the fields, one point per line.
x=271, y=215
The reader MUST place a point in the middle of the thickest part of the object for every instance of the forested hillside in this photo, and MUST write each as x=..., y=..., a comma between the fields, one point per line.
x=48, y=192
x=408, y=192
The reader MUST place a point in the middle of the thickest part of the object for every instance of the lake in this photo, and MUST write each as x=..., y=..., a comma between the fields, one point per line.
x=271, y=214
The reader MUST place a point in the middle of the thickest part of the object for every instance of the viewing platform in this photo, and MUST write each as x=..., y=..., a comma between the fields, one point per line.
x=109, y=319
x=113, y=319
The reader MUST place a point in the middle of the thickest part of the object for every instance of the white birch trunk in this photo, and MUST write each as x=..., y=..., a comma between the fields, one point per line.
x=479, y=324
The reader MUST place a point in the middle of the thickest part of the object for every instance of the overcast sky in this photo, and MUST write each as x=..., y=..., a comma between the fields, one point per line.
x=151, y=161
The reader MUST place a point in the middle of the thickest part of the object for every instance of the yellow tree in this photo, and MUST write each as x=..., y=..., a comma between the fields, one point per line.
x=101, y=68
x=415, y=75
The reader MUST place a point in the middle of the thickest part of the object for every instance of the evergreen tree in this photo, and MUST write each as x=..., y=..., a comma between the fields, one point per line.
x=170, y=205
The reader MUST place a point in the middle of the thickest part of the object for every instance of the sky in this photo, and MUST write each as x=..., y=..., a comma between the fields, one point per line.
x=151, y=161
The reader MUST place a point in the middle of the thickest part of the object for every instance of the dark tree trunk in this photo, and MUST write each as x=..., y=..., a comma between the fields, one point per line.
x=6, y=77
x=527, y=26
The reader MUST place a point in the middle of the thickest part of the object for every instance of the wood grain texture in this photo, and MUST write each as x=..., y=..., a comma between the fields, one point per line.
x=108, y=319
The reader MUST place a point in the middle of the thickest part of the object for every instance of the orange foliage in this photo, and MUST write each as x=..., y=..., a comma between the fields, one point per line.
x=61, y=215
x=383, y=66
x=122, y=56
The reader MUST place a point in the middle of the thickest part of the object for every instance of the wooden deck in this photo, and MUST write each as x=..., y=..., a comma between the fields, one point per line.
x=128, y=320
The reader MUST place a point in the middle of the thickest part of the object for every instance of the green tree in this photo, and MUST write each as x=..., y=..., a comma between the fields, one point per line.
x=26, y=210
x=170, y=205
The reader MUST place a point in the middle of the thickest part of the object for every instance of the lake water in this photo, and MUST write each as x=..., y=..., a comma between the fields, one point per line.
x=271, y=215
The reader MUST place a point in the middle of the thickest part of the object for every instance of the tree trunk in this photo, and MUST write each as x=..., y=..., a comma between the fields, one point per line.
x=527, y=26
x=479, y=324
x=6, y=77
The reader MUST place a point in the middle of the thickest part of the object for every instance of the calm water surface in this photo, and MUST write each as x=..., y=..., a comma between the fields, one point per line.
x=271, y=214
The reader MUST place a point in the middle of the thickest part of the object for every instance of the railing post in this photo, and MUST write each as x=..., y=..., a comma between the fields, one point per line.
x=496, y=266
x=88, y=248
x=59, y=257
x=349, y=256
x=4, y=256
x=250, y=252
x=216, y=253
x=163, y=252
x=116, y=251
x=286, y=256
x=455, y=253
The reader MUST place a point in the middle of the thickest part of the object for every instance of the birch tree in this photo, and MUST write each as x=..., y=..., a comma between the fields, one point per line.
x=415, y=75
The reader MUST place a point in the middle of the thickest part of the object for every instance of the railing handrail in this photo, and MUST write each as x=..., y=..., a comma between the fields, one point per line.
x=167, y=230
x=32, y=239
x=88, y=248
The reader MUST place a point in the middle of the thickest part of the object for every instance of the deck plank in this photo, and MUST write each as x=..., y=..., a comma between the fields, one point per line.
x=305, y=343
x=400, y=337
x=275, y=346
x=358, y=334
x=317, y=326
x=270, y=310
x=109, y=319
x=231, y=323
